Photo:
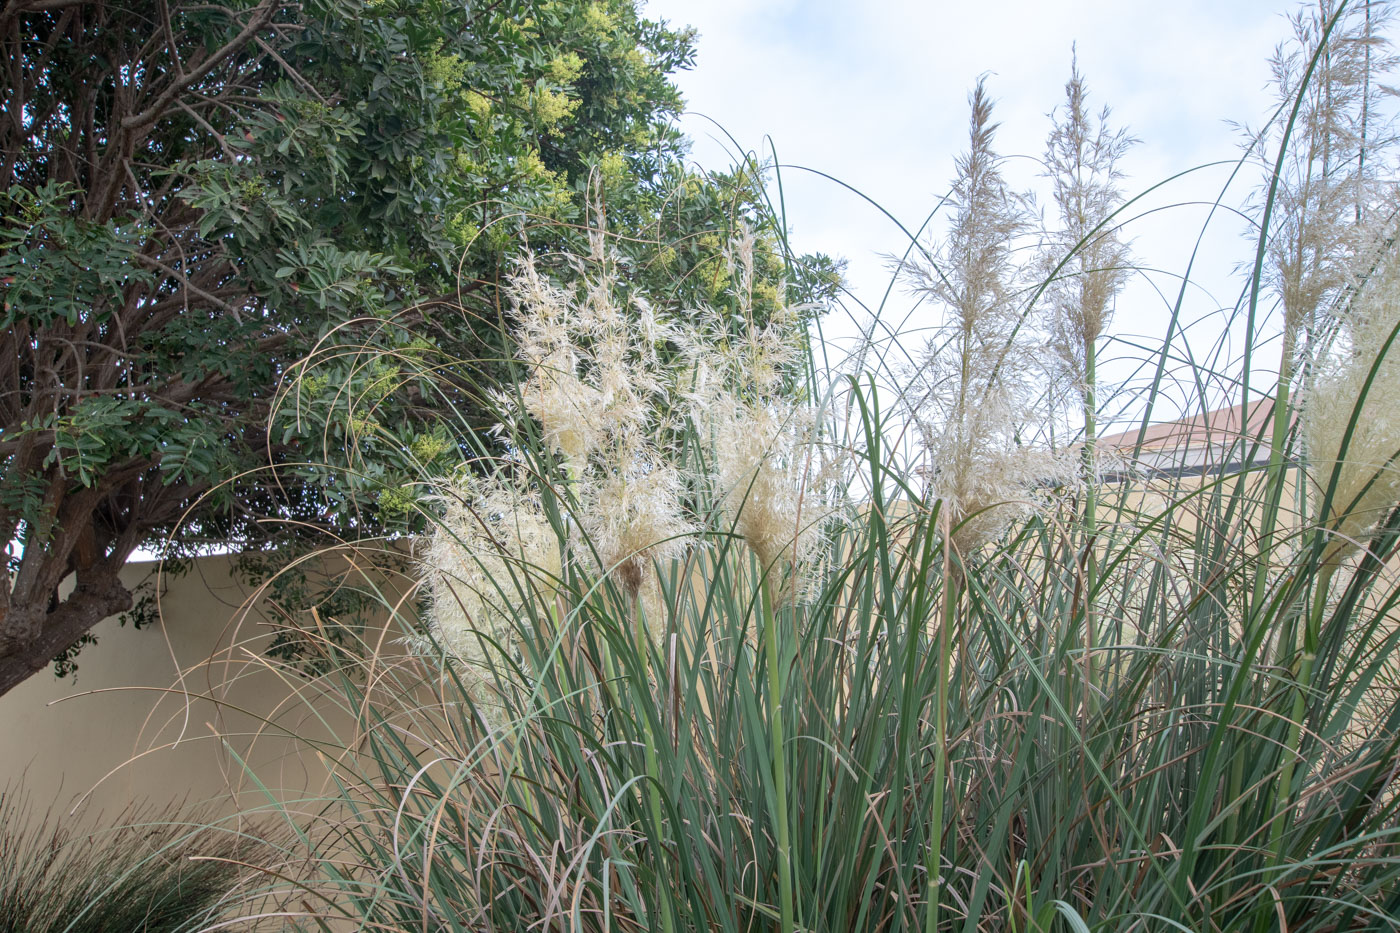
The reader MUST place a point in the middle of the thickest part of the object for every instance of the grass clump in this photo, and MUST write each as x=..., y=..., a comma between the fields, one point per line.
x=147, y=872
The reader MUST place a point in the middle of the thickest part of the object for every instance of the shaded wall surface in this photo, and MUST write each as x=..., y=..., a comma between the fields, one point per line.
x=170, y=713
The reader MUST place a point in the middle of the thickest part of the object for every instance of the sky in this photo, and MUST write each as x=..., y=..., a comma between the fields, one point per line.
x=875, y=94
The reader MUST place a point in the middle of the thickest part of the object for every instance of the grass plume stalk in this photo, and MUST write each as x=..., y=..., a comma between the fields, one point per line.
x=1332, y=147
x=1086, y=263
x=970, y=392
x=774, y=486
x=599, y=389
x=782, y=818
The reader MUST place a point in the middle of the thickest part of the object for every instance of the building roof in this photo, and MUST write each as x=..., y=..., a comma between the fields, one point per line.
x=1205, y=443
x=1221, y=426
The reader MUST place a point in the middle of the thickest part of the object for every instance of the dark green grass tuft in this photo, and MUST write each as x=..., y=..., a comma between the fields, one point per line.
x=148, y=873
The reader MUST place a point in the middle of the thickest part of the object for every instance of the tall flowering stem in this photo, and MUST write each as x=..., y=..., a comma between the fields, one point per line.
x=1085, y=262
x=774, y=486
x=972, y=387
x=969, y=391
x=599, y=388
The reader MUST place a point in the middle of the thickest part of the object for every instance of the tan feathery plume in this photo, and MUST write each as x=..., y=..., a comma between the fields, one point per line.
x=774, y=481
x=493, y=550
x=968, y=394
x=634, y=516
x=1086, y=254
x=1368, y=470
x=599, y=388
x=1337, y=152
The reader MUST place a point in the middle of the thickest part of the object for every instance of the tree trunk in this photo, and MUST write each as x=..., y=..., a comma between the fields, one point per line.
x=58, y=627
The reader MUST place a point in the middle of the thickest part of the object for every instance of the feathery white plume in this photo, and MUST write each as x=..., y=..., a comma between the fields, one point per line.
x=1368, y=470
x=493, y=550
x=969, y=393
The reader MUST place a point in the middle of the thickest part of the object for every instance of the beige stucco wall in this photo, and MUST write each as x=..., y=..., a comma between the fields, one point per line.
x=163, y=714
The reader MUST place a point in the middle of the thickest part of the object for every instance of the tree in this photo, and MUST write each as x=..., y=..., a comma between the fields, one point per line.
x=199, y=194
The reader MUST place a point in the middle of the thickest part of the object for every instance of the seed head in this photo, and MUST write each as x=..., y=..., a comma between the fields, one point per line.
x=773, y=483
x=970, y=390
x=600, y=388
x=1336, y=151
x=493, y=551
x=1085, y=255
x=634, y=517
x=1368, y=470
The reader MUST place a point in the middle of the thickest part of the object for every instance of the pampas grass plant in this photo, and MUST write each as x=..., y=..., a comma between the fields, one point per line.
x=919, y=736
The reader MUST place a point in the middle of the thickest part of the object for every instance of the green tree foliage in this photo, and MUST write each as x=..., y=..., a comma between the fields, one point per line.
x=198, y=195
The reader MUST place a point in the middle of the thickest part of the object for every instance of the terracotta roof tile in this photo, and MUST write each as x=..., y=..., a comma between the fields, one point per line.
x=1214, y=428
